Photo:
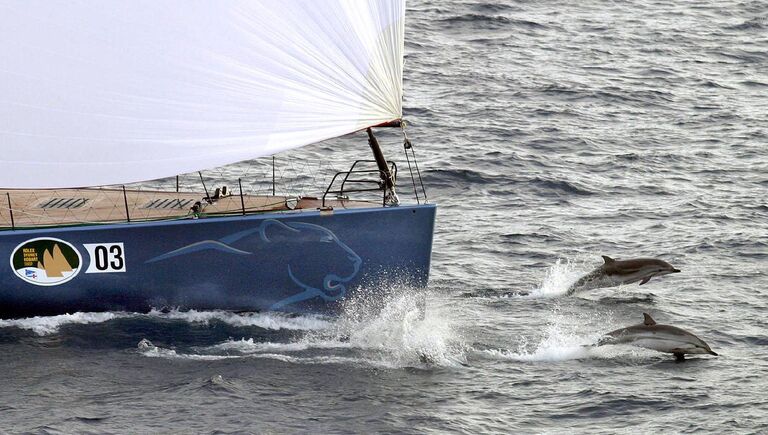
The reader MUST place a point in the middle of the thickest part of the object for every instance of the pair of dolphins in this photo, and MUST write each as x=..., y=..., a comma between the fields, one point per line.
x=649, y=334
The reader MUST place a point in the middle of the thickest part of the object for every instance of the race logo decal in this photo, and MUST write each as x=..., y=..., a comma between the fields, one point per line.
x=46, y=261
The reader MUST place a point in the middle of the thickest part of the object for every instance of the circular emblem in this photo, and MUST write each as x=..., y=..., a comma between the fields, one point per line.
x=46, y=261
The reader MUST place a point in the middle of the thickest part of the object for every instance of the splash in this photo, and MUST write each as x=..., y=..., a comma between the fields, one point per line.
x=552, y=352
x=558, y=278
x=554, y=284
x=564, y=340
x=393, y=333
x=404, y=332
x=51, y=324
x=558, y=344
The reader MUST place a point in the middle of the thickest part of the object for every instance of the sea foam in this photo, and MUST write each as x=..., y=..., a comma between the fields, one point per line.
x=268, y=320
x=46, y=325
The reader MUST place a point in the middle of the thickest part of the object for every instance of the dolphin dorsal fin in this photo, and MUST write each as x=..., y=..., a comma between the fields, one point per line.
x=648, y=320
x=607, y=259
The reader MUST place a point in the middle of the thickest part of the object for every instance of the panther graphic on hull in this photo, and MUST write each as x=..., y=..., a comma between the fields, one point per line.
x=314, y=258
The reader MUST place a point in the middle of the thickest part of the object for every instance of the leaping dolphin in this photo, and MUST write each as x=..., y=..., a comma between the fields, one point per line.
x=662, y=338
x=617, y=272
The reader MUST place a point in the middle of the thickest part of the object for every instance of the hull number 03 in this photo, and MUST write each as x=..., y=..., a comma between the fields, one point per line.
x=105, y=257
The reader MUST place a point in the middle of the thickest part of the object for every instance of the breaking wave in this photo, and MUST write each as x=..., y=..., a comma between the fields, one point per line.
x=268, y=320
x=152, y=351
x=46, y=325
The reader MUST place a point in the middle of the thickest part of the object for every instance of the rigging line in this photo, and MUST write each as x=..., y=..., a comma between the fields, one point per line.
x=125, y=200
x=415, y=162
x=407, y=144
x=240, y=183
x=207, y=196
x=10, y=210
x=421, y=180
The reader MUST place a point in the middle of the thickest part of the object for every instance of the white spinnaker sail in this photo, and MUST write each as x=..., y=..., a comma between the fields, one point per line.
x=99, y=92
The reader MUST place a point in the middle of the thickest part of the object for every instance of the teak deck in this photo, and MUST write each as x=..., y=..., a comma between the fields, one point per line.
x=42, y=208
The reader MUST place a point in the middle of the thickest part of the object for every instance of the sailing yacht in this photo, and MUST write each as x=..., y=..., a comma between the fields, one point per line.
x=98, y=95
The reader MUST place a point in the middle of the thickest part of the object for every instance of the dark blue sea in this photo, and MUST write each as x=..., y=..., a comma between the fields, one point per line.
x=549, y=133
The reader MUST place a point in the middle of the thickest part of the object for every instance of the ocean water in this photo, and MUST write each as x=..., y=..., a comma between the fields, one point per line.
x=549, y=133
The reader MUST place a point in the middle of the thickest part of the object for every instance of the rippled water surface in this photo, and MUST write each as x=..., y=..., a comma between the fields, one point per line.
x=549, y=133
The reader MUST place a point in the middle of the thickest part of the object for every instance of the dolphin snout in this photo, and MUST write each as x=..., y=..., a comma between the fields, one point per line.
x=712, y=352
x=676, y=271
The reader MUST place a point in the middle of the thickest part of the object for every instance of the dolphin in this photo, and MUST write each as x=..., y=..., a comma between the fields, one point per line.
x=617, y=272
x=662, y=338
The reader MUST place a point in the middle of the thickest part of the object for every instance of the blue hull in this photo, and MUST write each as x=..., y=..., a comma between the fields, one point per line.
x=296, y=262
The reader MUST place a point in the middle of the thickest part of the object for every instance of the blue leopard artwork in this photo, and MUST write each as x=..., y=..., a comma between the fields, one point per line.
x=311, y=256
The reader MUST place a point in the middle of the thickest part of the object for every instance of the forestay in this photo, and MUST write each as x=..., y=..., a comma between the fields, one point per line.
x=96, y=92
